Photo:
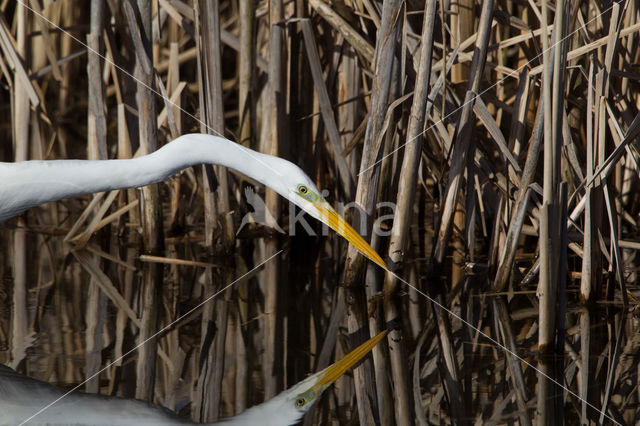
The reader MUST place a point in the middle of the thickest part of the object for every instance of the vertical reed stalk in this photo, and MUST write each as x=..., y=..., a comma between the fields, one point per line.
x=550, y=214
x=402, y=220
x=152, y=235
x=215, y=315
x=246, y=102
x=97, y=150
x=246, y=110
x=366, y=192
x=21, y=119
x=462, y=24
x=462, y=151
x=275, y=109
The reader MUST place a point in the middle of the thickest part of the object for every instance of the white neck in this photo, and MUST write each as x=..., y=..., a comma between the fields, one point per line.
x=30, y=183
x=22, y=398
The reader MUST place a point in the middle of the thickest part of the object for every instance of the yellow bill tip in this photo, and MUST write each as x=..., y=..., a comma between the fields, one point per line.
x=333, y=372
x=338, y=224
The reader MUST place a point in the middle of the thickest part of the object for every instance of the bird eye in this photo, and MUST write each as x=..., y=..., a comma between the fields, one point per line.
x=305, y=192
x=300, y=402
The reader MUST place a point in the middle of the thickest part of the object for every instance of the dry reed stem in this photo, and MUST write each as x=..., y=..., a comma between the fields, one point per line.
x=152, y=233
x=330, y=96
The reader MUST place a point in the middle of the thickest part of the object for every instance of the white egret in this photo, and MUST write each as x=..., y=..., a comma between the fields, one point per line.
x=28, y=184
x=22, y=397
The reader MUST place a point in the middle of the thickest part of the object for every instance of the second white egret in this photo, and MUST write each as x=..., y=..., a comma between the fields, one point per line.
x=26, y=401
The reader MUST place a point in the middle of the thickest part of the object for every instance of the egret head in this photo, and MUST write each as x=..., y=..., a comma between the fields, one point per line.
x=305, y=393
x=289, y=406
x=297, y=187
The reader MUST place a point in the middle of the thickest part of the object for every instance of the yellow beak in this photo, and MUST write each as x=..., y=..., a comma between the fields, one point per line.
x=338, y=224
x=331, y=373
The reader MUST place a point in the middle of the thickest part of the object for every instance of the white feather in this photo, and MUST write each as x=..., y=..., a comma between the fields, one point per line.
x=28, y=184
x=28, y=401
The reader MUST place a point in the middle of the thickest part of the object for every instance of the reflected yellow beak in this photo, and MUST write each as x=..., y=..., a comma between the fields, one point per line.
x=338, y=224
x=331, y=373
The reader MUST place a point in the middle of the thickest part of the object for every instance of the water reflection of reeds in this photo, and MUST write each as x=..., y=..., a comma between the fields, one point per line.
x=85, y=280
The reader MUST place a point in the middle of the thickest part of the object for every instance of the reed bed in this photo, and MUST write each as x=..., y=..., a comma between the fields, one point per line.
x=502, y=136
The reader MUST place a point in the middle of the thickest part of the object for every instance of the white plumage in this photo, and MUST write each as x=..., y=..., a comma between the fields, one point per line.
x=27, y=401
x=28, y=184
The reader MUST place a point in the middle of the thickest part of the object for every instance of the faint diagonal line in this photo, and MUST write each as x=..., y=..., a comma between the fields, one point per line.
x=128, y=74
x=492, y=340
x=511, y=74
x=500, y=345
